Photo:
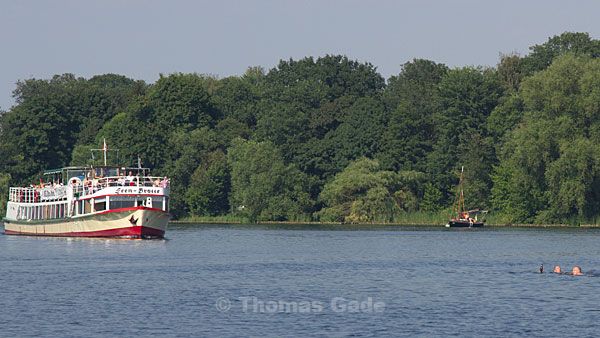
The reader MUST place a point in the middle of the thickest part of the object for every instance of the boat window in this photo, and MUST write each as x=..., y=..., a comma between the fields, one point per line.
x=157, y=202
x=118, y=204
x=100, y=206
x=75, y=173
x=111, y=172
x=87, y=206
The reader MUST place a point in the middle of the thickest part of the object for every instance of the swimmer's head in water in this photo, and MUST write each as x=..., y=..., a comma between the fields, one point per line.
x=577, y=271
x=556, y=269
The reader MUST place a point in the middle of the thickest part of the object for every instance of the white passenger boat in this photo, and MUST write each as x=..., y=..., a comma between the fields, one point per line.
x=91, y=201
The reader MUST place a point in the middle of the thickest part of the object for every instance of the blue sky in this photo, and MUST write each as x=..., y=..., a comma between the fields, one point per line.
x=142, y=39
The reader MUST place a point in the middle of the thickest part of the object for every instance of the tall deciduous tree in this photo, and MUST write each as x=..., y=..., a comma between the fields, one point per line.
x=543, y=55
x=363, y=192
x=52, y=116
x=412, y=99
x=262, y=186
x=548, y=168
x=209, y=187
x=305, y=100
x=468, y=96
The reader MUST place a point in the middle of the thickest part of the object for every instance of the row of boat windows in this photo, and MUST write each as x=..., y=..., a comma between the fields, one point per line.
x=38, y=212
x=60, y=210
x=94, y=205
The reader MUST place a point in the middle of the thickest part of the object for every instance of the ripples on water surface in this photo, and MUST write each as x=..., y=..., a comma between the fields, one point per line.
x=434, y=282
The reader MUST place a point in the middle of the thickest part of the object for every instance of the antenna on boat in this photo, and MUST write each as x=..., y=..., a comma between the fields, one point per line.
x=139, y=162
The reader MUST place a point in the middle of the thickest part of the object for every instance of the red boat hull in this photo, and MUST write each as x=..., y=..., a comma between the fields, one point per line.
x=128, y=232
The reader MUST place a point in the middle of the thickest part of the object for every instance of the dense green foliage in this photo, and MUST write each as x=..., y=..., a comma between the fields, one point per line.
x=263, y=186
x=550, y=164
x=363, y=192
x=330, y=139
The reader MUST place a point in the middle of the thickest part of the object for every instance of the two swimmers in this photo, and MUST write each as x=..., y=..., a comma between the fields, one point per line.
x=575, y=272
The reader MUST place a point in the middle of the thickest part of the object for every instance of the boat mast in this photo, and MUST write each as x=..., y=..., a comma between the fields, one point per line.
x=104, y=150
x=459, y=206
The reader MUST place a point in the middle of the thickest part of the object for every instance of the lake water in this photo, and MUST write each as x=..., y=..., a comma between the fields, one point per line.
x=231, y=281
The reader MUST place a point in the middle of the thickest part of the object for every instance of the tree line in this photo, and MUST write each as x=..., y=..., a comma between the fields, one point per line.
x=330, y=139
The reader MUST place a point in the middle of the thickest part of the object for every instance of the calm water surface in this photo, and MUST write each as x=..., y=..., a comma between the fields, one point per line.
x=231, y=281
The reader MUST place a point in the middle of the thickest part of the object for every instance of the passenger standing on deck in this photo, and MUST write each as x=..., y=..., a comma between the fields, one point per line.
x=94, y=185
x=165, y=182
x=121, y=179
x=129, y=179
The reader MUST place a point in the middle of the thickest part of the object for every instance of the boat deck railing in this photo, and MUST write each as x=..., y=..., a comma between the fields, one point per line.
x=24, y=195
x=89, y=187
x=50, y=193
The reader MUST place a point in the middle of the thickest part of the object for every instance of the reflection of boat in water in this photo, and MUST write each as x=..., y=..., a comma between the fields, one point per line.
x=91, y=201
x=462, y=218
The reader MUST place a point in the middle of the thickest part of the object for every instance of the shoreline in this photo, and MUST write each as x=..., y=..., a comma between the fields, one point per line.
x=413, y=224
x=406, y=224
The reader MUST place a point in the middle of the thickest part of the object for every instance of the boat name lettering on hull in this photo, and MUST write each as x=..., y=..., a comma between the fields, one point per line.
x=149, y=191
x=137, y=191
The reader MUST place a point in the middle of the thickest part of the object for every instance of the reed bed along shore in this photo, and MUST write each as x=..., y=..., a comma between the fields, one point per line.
x=438, y=219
